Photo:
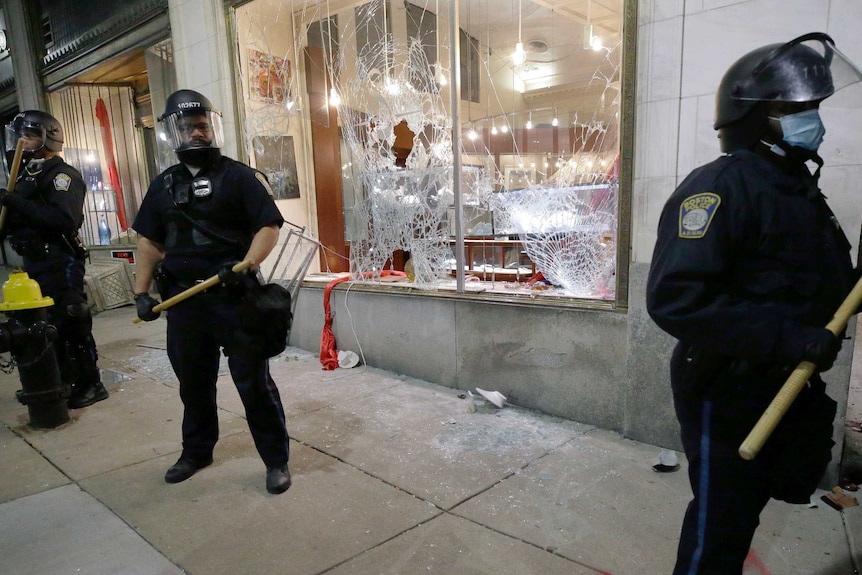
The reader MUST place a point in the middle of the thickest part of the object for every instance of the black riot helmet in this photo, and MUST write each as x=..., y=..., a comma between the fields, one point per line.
x=191, y=122
x=38, y=123
x=805, y=70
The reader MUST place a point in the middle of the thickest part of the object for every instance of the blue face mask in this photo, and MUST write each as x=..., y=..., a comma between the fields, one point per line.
x=803, y=129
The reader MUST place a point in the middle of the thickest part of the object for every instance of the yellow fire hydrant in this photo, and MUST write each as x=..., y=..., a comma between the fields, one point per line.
x=29, y=337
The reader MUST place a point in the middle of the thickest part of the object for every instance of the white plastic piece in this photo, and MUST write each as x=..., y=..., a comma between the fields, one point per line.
x=347, y=359
x=494, y=397
x=668, y=457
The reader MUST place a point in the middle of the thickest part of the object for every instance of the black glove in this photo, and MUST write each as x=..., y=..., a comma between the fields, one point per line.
x=10, y=200
x=226, y=275
x=821, y=348
x=4, y=194
x=145, y=304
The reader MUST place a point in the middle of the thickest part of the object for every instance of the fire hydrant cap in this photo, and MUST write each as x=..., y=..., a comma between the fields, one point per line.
x=20, y=292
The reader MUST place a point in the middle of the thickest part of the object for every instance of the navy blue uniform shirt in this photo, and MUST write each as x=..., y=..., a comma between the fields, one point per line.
x=746, y=254
x=239, y=204
x=48, y=201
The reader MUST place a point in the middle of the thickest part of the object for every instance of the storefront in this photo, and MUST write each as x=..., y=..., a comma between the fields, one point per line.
x=351, y=104
x=496, y=170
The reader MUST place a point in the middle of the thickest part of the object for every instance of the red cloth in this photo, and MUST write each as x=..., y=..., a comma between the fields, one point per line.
x=328, y=352
x=113, y=174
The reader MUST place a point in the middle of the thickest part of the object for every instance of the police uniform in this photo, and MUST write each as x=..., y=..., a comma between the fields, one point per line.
x=204, y=222
x=45, y=213
x=748, y=257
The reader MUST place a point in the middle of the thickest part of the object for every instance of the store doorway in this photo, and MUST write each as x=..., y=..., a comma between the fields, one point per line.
x=108, y=119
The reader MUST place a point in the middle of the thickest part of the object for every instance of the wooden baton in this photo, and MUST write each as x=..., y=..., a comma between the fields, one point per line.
x=195, y=289
x=13, y=177
x=767, y=423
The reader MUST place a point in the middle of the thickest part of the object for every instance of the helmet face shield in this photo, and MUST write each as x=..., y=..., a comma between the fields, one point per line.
x=193, y=130
x=11, y=137
x=34, y=136
x=804, y=70
x=807, y=69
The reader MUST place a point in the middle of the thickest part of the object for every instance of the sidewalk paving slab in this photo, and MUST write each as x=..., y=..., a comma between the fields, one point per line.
x=222, y=520
x=65, y=531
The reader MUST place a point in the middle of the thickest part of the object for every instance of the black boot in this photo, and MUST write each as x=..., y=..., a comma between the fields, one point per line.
x=84, y=395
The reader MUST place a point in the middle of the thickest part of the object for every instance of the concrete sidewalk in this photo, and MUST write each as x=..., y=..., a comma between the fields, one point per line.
x=391, y=475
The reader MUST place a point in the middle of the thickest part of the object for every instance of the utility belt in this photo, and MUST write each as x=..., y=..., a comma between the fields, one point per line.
x=167, y=283
x=39, y=250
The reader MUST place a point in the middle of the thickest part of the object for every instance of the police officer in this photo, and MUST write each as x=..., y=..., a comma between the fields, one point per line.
x=44, y=214
x=198, y=219
x=749, y=266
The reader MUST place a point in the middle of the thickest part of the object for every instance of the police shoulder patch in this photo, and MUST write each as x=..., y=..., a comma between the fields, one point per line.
x=695, y=214
x=62, y=182
x=263, y=181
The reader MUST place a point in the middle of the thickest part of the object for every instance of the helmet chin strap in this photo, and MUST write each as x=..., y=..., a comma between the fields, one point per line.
x=793, y=155
x=198, y=157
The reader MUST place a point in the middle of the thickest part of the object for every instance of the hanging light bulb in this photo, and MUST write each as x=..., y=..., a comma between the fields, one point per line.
x=334, y=98
x=504, y=128
x=529, y=125
x=519, y=56
x=494, y=128
x=472, y=134
x=392, y=87
x=591, y=41
x=555, y=122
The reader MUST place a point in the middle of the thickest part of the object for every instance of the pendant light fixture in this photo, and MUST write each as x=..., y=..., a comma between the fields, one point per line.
x=591, y=41
x=519, y=56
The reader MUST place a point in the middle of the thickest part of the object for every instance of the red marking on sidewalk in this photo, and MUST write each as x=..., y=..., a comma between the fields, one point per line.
x=752, y=560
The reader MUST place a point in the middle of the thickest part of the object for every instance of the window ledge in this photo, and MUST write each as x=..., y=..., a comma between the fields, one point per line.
x=476, y=291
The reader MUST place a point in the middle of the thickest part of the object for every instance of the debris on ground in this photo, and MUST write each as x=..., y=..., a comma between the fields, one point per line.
x=494, y=397
x=839, y=500
x=471, y=402
x=347, y=359
x=667, y=462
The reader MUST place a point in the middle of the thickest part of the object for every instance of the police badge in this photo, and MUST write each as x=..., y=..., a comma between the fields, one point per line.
x=62, y=182
x=695, y=214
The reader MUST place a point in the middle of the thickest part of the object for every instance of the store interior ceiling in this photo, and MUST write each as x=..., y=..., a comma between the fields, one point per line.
x=128, y=69
x=562, y=74
x=555, y=35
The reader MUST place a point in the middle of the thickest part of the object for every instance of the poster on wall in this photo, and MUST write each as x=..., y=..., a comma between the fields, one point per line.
x=275, y=157
x=269, y=77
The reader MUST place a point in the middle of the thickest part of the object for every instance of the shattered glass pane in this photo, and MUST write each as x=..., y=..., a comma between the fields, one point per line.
x=539, y=141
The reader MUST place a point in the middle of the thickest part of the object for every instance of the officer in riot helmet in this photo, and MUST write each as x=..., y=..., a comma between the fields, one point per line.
x=45, y=214
x=770, y=97
x=198, y=219
x=41, y=132
x=749, y=266
x=192, y=127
